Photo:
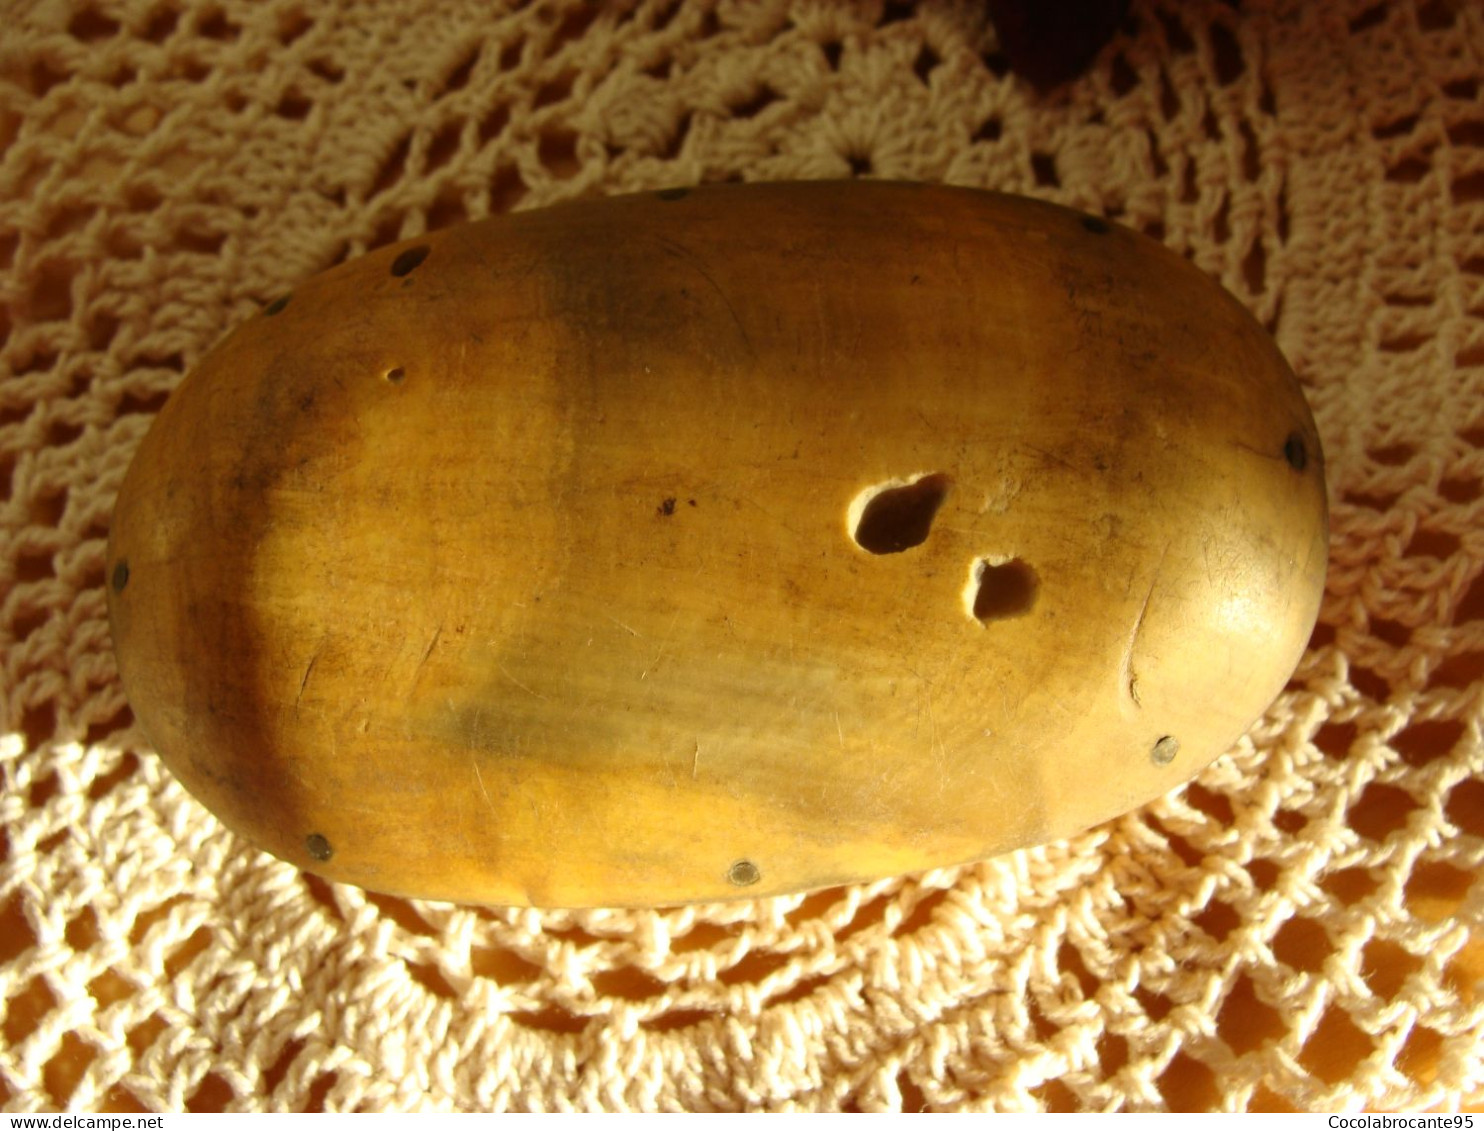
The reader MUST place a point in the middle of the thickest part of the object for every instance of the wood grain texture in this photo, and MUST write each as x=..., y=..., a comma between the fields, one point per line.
x=518, y=564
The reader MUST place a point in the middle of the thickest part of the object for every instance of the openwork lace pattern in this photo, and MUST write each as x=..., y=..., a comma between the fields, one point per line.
x=1299, y=928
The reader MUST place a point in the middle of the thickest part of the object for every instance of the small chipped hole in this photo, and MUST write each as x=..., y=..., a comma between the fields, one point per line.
x=1000, y=589
x=1165, y=750
x=1096, y=225
x=120, y=576
x=1295, y=452
x=673, y=193
x=276, y=305
x=744, y=873
x=318, y=847
x=890, y=518
x=396, y=375
x=409, y=260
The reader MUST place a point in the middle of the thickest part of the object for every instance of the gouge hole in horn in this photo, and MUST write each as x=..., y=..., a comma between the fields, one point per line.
x=396, y=375
x=897, y=515
x=1295, y=452
x=1000, y=588
x=408, y=261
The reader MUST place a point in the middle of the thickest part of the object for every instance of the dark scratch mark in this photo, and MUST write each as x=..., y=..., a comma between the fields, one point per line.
x=1131, y=677
x=303, y=683
x=682, y=253
x=427, y=652
x=1050, y=457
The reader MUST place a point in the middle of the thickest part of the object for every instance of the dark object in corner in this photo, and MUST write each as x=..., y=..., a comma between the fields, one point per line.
x=1049, y=42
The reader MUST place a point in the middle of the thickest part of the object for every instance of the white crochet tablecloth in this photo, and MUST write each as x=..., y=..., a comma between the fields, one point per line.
x=1300, y=928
